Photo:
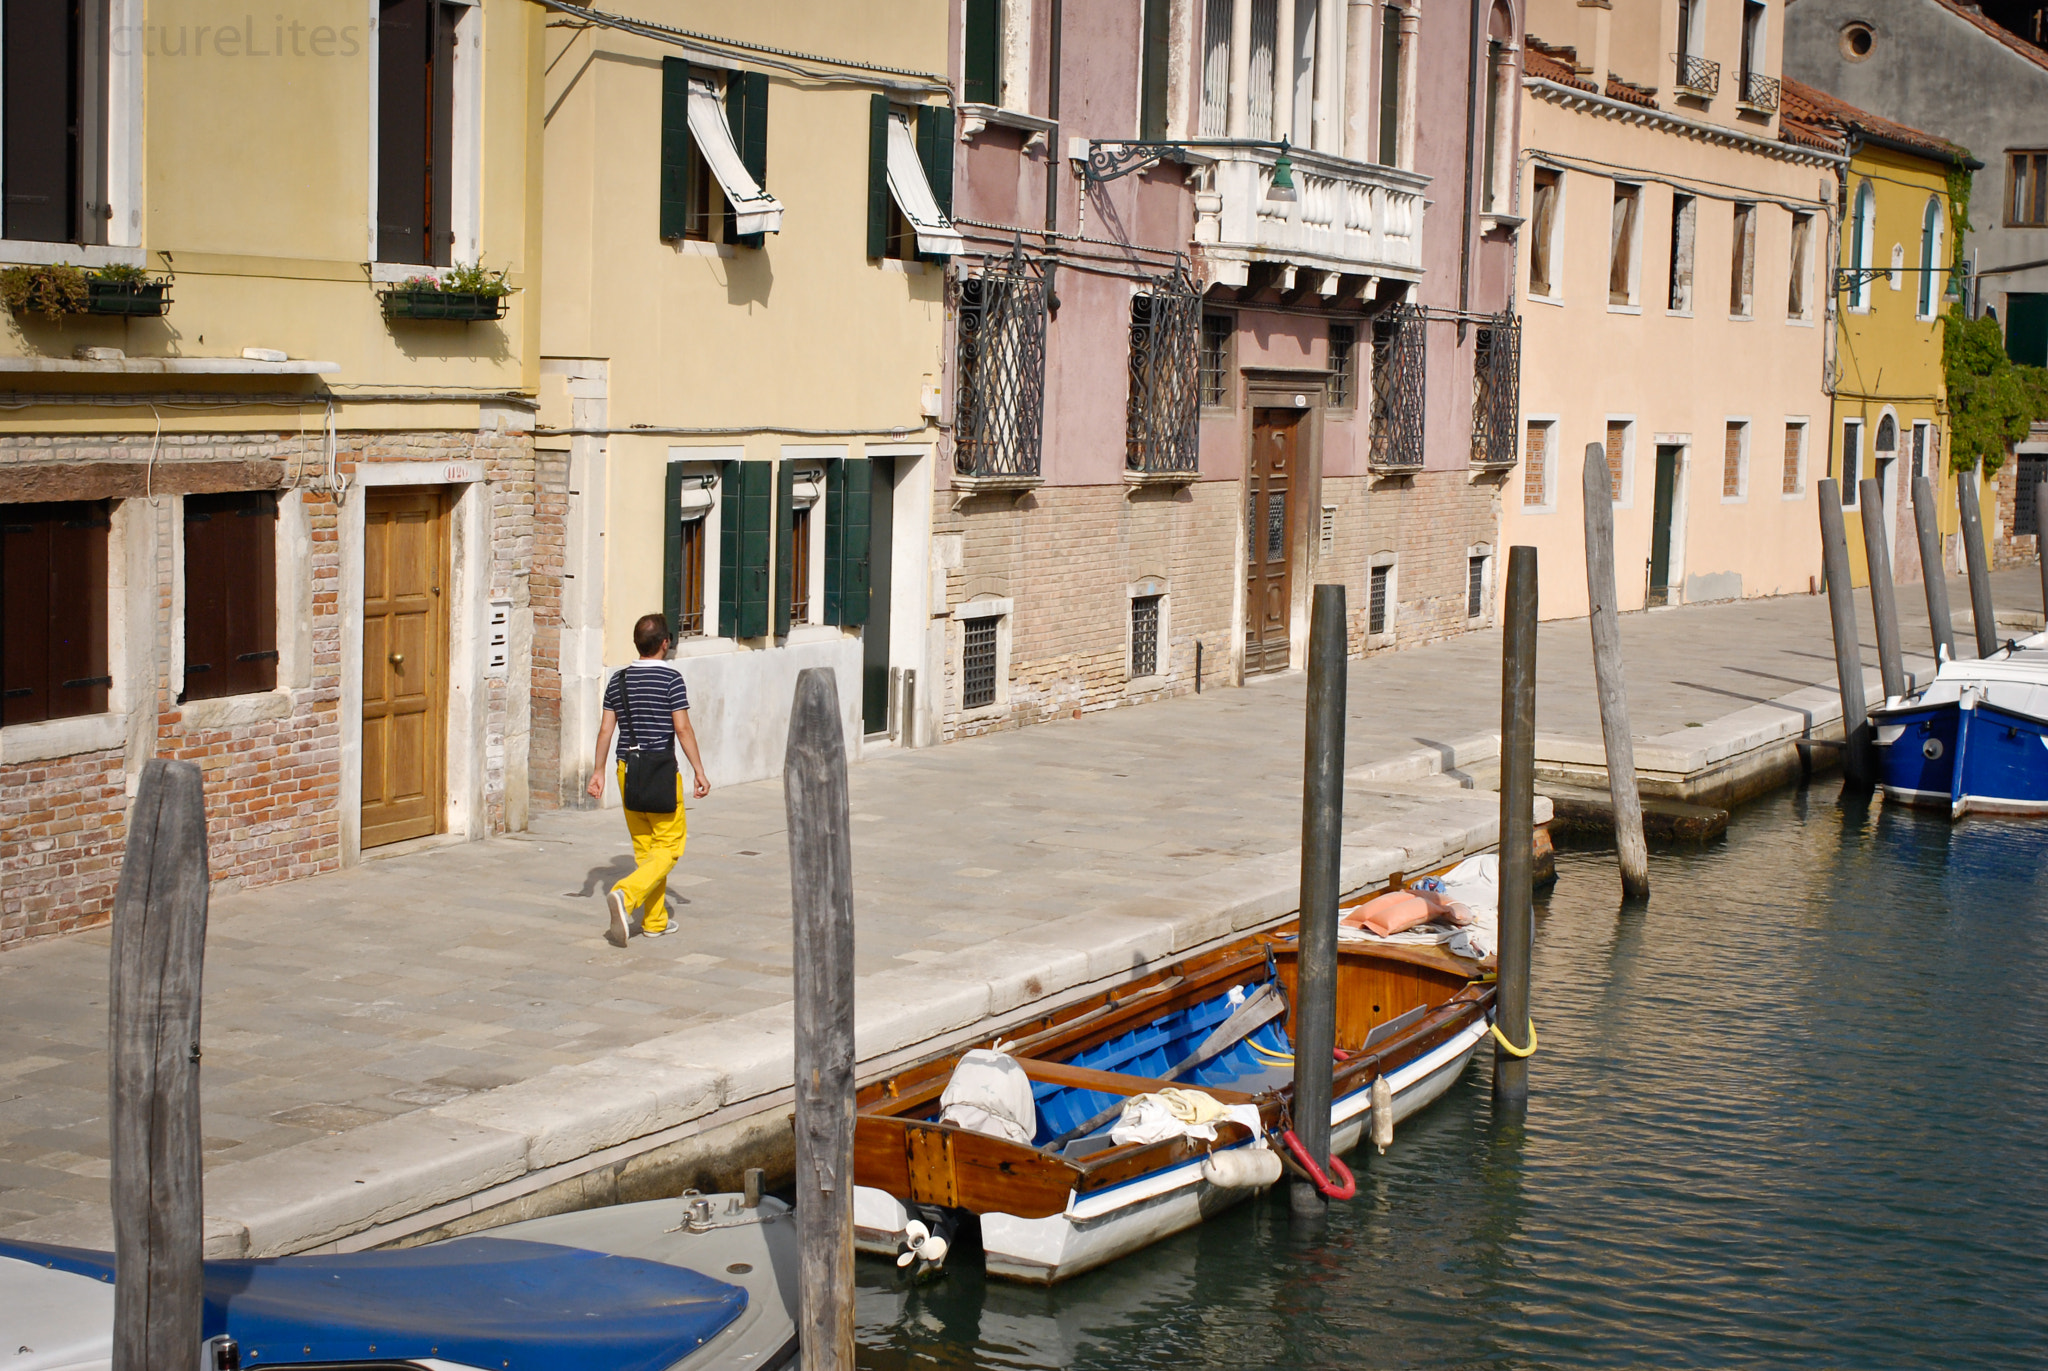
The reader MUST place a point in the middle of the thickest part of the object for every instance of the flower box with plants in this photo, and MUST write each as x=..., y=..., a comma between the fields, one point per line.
x=465, y=294
x=55, y=291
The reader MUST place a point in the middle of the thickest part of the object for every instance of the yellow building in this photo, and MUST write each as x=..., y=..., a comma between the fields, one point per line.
x=1888, y=407
x=264, y=506
x=742, y=340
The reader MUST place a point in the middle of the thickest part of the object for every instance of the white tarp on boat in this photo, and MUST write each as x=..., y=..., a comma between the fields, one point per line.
x=990, y=1094
x=1474, y=883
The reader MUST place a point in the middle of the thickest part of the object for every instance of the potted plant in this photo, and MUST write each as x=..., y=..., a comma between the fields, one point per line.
x=463, y=293
x=58, y=290
x=125, y=290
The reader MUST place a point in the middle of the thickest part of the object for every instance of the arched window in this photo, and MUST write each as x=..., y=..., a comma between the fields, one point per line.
x=1863, y=244
x=1930, y=256
x=1887, y=436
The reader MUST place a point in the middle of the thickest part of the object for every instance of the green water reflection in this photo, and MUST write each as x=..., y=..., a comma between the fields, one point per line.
x=1790, y=1115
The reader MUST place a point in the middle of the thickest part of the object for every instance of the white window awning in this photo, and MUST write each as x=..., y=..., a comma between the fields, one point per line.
x=754, y=209
x=935, y=232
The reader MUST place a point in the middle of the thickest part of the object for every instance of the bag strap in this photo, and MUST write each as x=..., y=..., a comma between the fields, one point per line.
x=626, y=712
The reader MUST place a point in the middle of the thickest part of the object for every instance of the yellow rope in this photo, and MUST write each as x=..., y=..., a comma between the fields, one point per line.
x=1509, y=1047
x=1268, y=1052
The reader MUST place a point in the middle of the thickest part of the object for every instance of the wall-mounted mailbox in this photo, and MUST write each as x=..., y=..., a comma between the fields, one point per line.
x=498, y=640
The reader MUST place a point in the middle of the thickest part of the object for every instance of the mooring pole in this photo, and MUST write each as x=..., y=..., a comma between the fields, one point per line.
x=1605, y=618
x=1517, y=829
x=2041, y=542
x=821, y=900
x=1857, y=765
x=1967, y=502
x=1927, y=523
x=1884, y=604
x=159, y=943
x=1322, y=840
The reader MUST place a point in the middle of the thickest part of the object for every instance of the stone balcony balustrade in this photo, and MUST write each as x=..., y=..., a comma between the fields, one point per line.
x=1350, y=218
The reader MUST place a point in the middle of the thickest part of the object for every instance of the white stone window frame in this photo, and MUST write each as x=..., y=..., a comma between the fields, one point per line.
x=1923, y=448
x=465, y=203
x=707, y=462
x=1864, y=198
x=1003, y=610
x=1928, y=292
x=1805, y=223
x=1741, y=495
x=1635, y=252
x=1805, y=426
x=129, y=720
x=293, y=606
x=1486, y=584
x=1162, y=663
x=1392, y=562
x=1557, y=239
x=1551, y=423
x=1625, y=498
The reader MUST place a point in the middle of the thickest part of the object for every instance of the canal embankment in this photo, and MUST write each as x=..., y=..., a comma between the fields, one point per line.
x=441, y=1039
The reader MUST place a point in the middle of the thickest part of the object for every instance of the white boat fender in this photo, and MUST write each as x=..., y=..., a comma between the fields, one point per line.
x=922, y=1245
x=1382, y=1114
x=1242, y=1168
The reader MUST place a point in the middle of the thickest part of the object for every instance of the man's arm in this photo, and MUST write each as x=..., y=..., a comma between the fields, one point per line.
x=604, y=747
x=687, y=736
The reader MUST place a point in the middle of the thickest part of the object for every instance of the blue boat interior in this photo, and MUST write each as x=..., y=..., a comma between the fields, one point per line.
x=495, y=1302
x=1154, y=1049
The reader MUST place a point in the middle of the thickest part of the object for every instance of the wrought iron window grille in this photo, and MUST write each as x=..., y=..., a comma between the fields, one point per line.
x=1399, y=356
x=978, y=662
x=998, y=421
x=1698, y=76
x=1161, y=432
x=1760, y=91
x=1343, y=371
x=1216, y=333
x=1144, y=636
x=1496, y=389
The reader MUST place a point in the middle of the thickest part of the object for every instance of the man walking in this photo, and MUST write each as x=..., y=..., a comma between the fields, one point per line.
x=649, y=695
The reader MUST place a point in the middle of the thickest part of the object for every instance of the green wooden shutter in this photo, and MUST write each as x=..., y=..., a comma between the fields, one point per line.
x=672, y=549
x=935, y=152
x=744, y=517
x=878, y=176
x=675, y=146
x=746, y=110
x=785, y=527
x=849, y=495
x=984, y=24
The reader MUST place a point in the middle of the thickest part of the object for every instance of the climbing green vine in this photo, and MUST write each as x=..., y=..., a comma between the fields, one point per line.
x=1991, y=401
x=1958, y=217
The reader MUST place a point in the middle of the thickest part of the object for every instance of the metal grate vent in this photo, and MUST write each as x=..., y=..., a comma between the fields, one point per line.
x=1376, y=602
x=1144, y=635
x=978, y=663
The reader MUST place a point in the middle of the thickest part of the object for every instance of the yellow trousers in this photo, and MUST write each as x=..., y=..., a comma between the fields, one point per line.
x=657, y=846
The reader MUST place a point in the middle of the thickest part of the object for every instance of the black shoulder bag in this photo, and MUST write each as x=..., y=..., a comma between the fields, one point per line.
x=651, y=778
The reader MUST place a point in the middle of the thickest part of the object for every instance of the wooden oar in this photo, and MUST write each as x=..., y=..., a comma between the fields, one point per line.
x=1261, y=1008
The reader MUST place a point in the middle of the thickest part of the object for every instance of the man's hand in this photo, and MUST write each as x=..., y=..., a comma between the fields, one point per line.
x=596, y=787
x=701, y=787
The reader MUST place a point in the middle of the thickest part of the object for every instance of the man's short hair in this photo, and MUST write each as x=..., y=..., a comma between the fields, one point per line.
x=649, y=634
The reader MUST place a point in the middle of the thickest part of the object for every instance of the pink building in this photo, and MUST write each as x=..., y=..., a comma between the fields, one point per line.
x=1237, y=319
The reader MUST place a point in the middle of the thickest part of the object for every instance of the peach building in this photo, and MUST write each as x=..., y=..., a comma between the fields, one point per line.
x=1673, y=270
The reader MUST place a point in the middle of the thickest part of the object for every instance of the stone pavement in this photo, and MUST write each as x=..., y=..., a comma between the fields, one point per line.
x=387, y=1045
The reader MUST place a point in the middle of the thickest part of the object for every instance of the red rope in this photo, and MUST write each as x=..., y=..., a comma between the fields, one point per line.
x=1315, y=1173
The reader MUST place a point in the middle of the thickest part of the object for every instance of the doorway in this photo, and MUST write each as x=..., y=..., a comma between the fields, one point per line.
x=405, y=664
x=874, y=637
x=1660, y=525
x=1270, y=515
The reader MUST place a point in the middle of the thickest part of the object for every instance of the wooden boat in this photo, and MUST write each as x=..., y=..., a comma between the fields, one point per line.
x=1975, y=739
x=1411, y=1015
x=684, y=1285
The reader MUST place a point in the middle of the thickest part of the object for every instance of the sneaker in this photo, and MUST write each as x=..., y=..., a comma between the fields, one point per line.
x=620, y=929
x=661, y=932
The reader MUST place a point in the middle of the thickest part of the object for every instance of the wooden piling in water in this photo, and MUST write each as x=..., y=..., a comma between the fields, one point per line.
x=1933, y=570
x=1858, y=767
x=1517, y=829
x=1981, y=611
x=1884, y=605
x=821, y=901
x=1605, y=618
x=2041, y=543
x=159, y=945
x=1322, y=840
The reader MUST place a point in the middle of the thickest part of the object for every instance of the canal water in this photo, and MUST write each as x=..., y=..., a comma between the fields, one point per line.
x=1791, y=1115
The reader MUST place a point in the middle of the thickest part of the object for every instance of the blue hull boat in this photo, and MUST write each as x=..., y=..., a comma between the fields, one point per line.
x=1975, y=740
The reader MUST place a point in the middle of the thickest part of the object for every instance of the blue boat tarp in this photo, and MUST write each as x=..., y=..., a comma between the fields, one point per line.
x=497, y=1303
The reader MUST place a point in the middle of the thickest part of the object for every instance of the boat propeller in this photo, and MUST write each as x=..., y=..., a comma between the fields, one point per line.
x=922, y=1245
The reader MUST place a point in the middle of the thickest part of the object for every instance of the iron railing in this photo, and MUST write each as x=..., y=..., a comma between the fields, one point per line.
x=998, y=424
x=1698, y=76
x=1496, y=389
x=1760, y=91
x=1161, y=432
x=1398, y=362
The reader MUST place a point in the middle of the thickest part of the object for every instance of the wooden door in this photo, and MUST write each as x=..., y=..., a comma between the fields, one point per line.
x=405, y=664
x=1660, y=525
x=1269, y=539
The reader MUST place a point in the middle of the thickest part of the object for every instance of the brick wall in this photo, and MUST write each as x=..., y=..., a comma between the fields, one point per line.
x=273, y=785
x=550, y=548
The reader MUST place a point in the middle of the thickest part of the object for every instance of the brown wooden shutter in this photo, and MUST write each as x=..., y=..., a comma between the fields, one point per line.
x=53, y=611
x=230, y=594
x=39, y=79
x=403, y=136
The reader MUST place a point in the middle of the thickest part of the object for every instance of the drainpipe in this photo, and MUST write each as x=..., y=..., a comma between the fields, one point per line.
x=1054, y=159
x=1472, y=92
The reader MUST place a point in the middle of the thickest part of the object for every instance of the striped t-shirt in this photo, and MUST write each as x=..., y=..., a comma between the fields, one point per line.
x=657, y=692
